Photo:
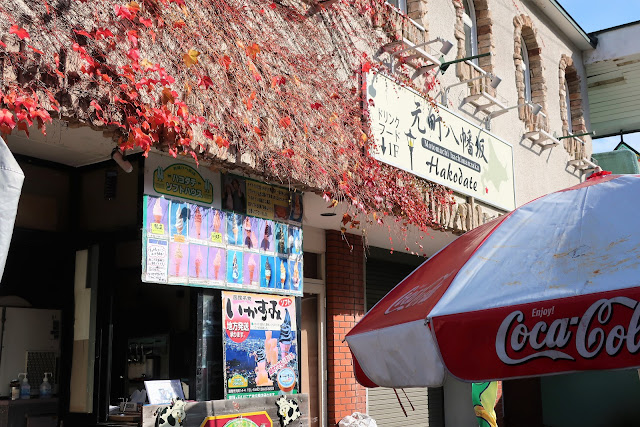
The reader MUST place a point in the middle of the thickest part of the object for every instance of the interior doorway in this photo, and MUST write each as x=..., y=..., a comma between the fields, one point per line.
x=309, y=369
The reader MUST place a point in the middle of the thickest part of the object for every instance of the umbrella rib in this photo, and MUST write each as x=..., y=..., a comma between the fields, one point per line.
x=401, y=405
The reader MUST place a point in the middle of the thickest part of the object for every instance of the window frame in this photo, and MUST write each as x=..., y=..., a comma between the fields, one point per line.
x=567, y=101
x=526, y=70
x=401, y=5
x=469, y=21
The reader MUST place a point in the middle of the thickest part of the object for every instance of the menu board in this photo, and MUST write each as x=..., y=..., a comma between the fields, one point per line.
x=255, y=198
x=260, y=345
x=191, y=244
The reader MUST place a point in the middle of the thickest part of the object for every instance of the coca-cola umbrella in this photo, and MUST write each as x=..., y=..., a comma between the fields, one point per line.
x=551, y=287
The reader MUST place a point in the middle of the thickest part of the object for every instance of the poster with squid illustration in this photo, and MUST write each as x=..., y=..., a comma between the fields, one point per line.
x=260, y=344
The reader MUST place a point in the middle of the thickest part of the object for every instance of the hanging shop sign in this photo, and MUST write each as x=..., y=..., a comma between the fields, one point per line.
x=260, y=345
x=251, y=419
x=166, y=176
x=423, y=138
x=197, y=244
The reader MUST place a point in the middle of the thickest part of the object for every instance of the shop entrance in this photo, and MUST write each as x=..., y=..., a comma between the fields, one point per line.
x=310, y=376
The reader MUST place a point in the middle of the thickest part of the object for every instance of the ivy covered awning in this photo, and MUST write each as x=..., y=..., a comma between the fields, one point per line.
x=273, y=87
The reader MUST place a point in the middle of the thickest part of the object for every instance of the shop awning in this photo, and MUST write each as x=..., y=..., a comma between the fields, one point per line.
x=613, y=81
x=11, y=178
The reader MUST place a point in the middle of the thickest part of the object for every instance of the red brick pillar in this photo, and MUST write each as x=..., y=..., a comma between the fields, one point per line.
x=345, y=306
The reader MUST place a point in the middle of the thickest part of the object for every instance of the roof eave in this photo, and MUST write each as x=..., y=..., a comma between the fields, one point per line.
x=559, y=16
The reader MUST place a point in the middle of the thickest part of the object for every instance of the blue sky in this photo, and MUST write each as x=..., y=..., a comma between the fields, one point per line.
x=594, y=15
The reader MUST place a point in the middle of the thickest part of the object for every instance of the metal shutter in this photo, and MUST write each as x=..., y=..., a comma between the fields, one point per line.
x=428, y=405
x=382, y=274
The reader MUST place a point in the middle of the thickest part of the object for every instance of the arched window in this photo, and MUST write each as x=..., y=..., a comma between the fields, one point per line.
x=470, y=29
x=530, y=81
x=571, y=110
x=526, y=70
x=567, y=101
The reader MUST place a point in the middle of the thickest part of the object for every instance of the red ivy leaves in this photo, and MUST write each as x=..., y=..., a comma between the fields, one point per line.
x=252, y=51
x=221, y=142
x=288, y=153
x=285, y=122
x=103, y=33
x=18, y=31
x=7, y=122
x=225, y=61
x=205, y=81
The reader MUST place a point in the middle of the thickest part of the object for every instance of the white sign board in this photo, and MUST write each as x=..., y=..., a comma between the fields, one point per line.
x=429, y=141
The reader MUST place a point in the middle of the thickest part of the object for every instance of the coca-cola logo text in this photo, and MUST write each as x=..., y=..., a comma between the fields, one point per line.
x=586, y=333
x=416, y=295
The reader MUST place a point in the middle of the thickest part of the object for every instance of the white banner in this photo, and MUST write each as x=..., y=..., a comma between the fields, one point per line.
x=425, y=139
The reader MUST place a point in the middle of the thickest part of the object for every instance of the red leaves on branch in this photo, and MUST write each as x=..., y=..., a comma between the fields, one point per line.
x=102, y=33
x=7, y=122
x=18, y=31
x=127, y=11
x=252, y=51
x=205, y=81
x=82, y=33
x=254, y=71
x=285, y=122
x=133, y=54
x=221, y=142
x=191, y=58
x=225, y=61
x=288, y=153
x=132, y=36
x=289, y=98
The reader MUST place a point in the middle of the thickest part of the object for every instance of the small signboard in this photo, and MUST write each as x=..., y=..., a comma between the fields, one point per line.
x=161, y=392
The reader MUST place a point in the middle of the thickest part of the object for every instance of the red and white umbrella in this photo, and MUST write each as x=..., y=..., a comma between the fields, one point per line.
x=552, y=287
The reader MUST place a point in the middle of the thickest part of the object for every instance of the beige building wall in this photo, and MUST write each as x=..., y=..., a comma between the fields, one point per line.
x=536, y=172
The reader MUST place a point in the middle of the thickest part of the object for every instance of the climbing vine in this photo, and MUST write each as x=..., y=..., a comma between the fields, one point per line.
x=271, y=86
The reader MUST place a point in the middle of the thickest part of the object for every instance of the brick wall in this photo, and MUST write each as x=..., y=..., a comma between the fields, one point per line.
x=345, y=307
x=567, y=73
x=484, y=32
x=524, y=30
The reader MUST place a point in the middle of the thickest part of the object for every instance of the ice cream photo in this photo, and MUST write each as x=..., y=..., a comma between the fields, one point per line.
x=234, y=267
x=157, y=211
x=295, y=275
x=251, y=227
x=266, y=236
x=286, y=335
x=295, y=240
x=251, y=271
x=197, y=218
x=157, y=215
x=262, y=377
x=178, y=259
x=197, y=265
x=235, y=223
x=281, y=273
x=247, y=231
x=216, y=226
x=281, y=238
x=179, y=219
x=267, y=264
x=217, y=264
